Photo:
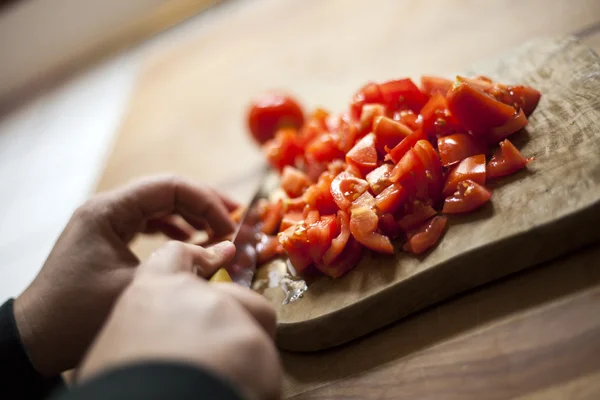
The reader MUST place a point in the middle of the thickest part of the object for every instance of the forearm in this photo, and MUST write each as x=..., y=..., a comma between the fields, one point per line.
x=17, y=374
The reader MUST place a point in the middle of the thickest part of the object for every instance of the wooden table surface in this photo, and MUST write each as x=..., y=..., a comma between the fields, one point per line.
x=535, y=335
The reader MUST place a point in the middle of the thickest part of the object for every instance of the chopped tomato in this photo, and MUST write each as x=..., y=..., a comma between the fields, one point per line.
x=388, y=133
x=516, y=123
x=379, y=178
x=475, y=110
x=419, y=213
x=347, y=134
x=320, y=234
x=426, y=235
x=272, y=111
x=437, y=120
x=363, y=155
x=268, y=247
x=318, y=196
x=368, y=94
x=353, y=170
x=525, y=98
x=310, y=131
x=408, y=118
x=339, y=242
x=369, y=114
x=364, y=200
x=294, y=241
x=323, y=149
x=290, y=219
x=472, y=168
x=391, y=198
x=345, y=188
x=410, y=173
x=389, y=226
x=433, y=167
x=347, y=260
x=457, y=147
x=405, y=145
x=431, y=85
x=283, y=149
x=320, y=115
x=290, y=205
x=363, y=226
x=506, y=161
x=469, y=195
x=294, y=181
x=272, y=218
x=402, y=94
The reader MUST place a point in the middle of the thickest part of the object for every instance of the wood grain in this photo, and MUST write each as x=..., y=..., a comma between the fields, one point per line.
x=534, y=335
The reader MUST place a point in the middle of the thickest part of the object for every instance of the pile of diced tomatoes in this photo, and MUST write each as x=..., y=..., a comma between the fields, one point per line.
x=387, y=169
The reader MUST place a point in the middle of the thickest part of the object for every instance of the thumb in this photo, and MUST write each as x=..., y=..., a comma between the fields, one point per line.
x=177, y=256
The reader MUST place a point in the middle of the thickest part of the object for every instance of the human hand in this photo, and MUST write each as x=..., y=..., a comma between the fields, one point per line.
x=60, y=313
x=170, y=314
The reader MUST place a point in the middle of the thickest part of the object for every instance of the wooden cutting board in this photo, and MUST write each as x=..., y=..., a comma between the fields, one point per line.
x=197, y=130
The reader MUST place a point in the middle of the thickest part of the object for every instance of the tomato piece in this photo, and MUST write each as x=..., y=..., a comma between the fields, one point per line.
x=469, y=196
x=420, y=213
x=318, y=196
x=391, y=198
x=369, y=113
x=293, y=205
x=364, y=200
x=363, y=227
x=506, y=161
x=290, y=219
x=513, y=125
x=431, y=85
x=347, y=260
x=437, y=120
x=339, y=242
x=272, y=218
x=410, y=173
x=408, y=118
x=405, y=145
x=475, y=110
x=389, y=226
x=388, y=133
x=320, y=234
x=267, y=248
x=310, y=131
x=426, y=235
x=368, y=94
x=294, y=241
x=353, y=170
x=402, y=94
x=433, y=168
x=379, y=178
x=364, y=154
x=457, y=147
x=345, y=188
x=525, y=98
x=323, y=149
x=293, y=181
x=472, y=168
x=272, y=111
x=283, y=149
x=320, y=115
x=347, y=134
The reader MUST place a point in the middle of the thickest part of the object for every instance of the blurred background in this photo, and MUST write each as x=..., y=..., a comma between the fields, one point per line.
x=96, y=93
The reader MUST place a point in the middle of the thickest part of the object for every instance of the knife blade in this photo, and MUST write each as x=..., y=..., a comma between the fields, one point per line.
x=242, y=267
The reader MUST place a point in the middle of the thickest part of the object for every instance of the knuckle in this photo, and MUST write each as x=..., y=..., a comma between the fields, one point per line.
x=176, y=249
x=91, y=209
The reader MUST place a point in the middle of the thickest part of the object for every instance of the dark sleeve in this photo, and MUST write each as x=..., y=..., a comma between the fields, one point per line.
x=153, y=380
x=17, y=375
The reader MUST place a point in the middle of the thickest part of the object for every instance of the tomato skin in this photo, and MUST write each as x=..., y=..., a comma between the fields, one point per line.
x=469, y=196
x=524, y=97
x=267, y=248
x=472, y=168
x=363, y=226
x=294, y=241
x=320, y=234
x=272, y=111
x=411, y=174
x=391, y=198
x=389, y=226
x=433, y=168
x=431, y=85
x=364, y=154
x=457, y=147
x=426, y=235
x=283, y=149
x=475, y=110
x=506, y=160
x=418, y=215
x=388, y=133
x=379, y=178
x=290, y=218
x=318, y=196
x=515, y=124
x=402, y=94
x=349, y=257
x=368, y=94
x=436, y=118
x=323, y=149
x=404, y=146
x=293, y=181
x=339, y=242
x=408, y=118
x=272, y=218
x=369, y=114
x=345, y=188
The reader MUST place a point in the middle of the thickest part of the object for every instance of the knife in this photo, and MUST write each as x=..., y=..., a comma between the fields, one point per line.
x=242, y=267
